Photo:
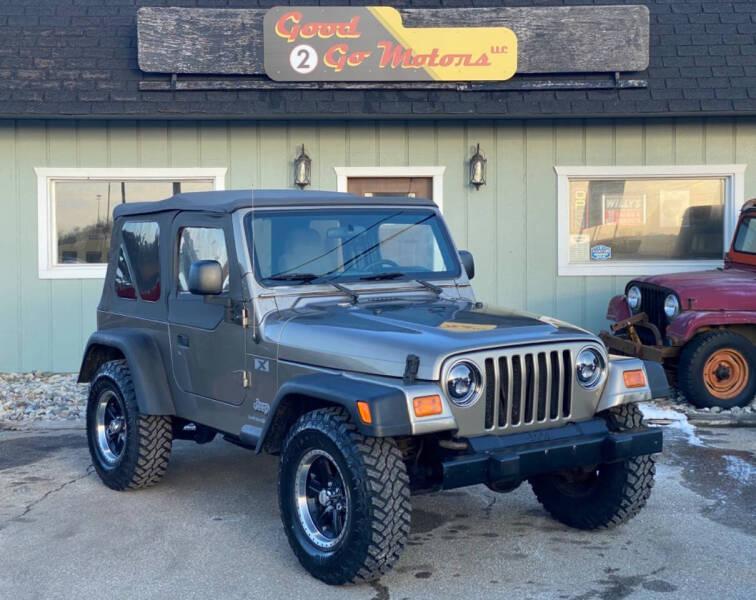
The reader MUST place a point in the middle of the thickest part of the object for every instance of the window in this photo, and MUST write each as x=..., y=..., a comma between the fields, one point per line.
x=140, y=239
x=745, y=240
x=344, y=244
x=75, y=208
x=201, y=243
x=645, y=220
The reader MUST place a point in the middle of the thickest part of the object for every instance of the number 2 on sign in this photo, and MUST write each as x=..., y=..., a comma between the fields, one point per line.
x=303, y=59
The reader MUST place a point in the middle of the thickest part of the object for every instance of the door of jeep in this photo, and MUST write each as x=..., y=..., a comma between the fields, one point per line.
x=206, y=332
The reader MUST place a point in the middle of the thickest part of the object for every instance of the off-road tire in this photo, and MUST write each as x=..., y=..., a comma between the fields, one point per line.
x=618, y=492
x=378, y=521
x=147, y=450
x=691, y=367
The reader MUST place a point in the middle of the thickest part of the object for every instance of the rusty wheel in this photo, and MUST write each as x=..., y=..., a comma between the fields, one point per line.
x=718, y=368
x=726, y=373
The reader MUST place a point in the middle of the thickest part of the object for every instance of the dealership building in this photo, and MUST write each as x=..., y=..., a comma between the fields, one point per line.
x=578, y=144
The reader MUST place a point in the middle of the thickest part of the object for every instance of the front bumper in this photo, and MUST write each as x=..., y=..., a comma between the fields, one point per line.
x=512, y=458
x=624, y=345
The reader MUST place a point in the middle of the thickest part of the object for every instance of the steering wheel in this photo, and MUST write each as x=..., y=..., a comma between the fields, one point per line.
x=381, y=263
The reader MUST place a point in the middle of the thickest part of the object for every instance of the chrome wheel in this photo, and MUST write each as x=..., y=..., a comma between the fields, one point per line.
x=321, y=498
x=110, y=427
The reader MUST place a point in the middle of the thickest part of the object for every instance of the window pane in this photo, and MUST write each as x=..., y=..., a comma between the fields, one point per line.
x=84, y=210
x=124, y=285
x=201, y=243
x=141, y=242
x=745, y=239
x=646, y=219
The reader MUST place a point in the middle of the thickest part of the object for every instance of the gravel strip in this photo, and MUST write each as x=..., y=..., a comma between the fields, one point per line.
x=35, y=396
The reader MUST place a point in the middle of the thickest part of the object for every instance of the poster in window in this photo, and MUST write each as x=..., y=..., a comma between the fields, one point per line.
x=624, y=209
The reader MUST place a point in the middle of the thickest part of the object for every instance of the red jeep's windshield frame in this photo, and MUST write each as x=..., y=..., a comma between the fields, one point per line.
x=745, y=258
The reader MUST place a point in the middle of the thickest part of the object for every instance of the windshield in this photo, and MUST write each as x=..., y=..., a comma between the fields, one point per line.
x=344, y=245
x=745, y=238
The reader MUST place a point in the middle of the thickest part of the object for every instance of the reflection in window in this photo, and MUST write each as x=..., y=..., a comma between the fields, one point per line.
x=124, y=286
x=646, y=219
x=84, y=211
x=201, y=243
x=141, y=242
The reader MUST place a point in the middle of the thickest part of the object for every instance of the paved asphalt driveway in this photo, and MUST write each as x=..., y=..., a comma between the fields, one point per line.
x=211, y=530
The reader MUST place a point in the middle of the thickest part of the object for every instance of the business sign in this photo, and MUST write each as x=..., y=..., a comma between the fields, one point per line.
x=372, y=44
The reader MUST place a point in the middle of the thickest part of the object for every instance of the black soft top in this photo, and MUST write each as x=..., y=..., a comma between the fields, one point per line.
x=231, y=200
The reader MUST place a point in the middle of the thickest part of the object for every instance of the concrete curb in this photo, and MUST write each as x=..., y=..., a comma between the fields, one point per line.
x=72, y=425
x=719, y=420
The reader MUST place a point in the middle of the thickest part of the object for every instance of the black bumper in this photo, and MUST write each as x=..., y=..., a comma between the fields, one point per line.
x=514, y=457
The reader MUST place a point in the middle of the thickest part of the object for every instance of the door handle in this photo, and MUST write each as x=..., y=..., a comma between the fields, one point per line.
x=183, y=340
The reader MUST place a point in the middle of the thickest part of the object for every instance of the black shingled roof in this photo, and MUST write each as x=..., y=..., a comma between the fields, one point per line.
x=78, y=58
x=230, y=200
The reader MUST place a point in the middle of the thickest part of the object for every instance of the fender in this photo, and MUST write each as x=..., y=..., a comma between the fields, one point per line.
x=685, y=326
x=618, y=309
x=388, y=405
x=145, y=363
x=616, y=393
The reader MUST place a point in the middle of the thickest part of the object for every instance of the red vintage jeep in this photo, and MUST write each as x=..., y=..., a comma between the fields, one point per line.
x=701, y=325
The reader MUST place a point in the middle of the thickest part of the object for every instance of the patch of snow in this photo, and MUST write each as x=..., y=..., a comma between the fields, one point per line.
x=672, y=419
x=739, y=469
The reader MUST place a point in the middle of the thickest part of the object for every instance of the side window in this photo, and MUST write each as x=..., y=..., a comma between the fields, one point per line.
x=201, y=243
x=124, y=284
x=141, y=242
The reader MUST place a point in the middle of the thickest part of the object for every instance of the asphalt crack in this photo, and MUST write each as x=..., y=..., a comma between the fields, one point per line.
x=47, y=494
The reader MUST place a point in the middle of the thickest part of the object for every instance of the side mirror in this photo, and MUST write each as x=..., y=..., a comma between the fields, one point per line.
x=468, y=262
x=206, y=278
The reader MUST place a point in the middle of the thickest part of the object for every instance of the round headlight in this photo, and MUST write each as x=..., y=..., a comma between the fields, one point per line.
x=463, y=383
x=671, y=306
x=589, y=367
x=634, y=298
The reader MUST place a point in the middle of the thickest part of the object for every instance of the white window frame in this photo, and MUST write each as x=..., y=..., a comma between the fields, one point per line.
x=47, y=243
x=734, y=199
x=435, y=172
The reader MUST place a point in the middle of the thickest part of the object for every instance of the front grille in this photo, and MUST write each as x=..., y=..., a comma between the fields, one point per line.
x=528, y=387
x=652, y=303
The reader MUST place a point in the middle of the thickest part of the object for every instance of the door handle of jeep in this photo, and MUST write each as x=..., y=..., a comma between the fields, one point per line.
x=183, y=340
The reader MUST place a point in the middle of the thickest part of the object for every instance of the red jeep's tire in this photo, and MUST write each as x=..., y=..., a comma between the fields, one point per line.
x=718, y=368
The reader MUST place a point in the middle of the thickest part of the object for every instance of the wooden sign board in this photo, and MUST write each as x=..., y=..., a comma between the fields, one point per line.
x=570, y=39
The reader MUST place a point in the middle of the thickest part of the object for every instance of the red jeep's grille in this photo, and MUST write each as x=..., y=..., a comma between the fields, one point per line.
x=528, y=388
x=652, y=303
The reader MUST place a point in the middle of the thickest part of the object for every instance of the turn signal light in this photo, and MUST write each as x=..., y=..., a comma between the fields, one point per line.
x=364, y=410
x=425, y=406
x=634, y=379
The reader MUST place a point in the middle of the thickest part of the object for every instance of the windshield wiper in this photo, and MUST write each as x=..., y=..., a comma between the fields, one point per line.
x=303, y=277
x=395, y=274
x=433, y=288
x=312, y=278
x=381, y=276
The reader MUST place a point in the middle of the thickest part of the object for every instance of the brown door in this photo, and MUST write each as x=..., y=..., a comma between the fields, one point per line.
x=415, y=187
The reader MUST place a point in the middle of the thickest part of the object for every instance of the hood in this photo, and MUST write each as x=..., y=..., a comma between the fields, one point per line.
x=376, y=337
x=730, y=288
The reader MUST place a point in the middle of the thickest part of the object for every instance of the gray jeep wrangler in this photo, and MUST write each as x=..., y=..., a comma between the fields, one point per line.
x=342, y=334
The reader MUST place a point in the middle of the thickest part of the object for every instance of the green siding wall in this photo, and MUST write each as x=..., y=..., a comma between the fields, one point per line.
x=510, y=224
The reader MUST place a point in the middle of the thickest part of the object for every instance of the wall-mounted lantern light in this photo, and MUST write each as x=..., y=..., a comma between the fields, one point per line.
x=303, y=169
x=478, y=169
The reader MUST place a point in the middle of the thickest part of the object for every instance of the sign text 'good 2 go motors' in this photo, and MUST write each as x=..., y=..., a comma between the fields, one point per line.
x=371, y=44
